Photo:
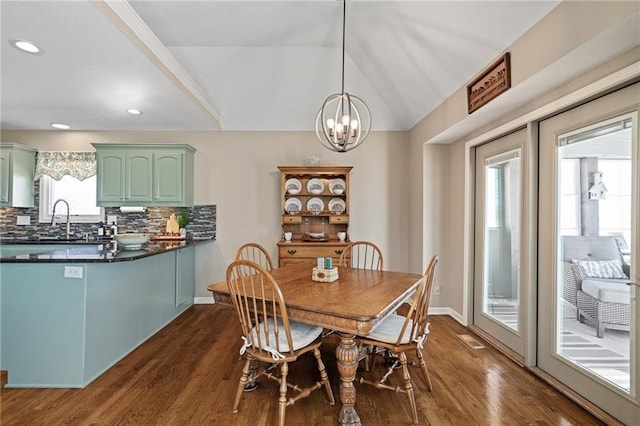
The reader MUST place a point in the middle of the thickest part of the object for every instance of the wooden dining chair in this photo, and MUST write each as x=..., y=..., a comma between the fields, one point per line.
x=254, y=252
x=362, y=254
x=268, y=335
x=400, y=334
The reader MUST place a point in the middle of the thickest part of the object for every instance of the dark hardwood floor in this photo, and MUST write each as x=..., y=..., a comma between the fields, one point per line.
x=187, y=374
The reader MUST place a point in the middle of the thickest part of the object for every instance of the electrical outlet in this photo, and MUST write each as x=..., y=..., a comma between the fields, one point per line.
x=73, y=271
x=23, y=220
x=436, y=290
x=112, y=218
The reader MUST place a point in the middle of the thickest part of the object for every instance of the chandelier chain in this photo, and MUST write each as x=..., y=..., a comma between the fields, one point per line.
x=344, y=19
x=348, y=125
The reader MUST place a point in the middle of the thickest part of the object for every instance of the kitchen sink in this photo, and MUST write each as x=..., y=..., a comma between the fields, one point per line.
x=61, y=240
x=9, y=250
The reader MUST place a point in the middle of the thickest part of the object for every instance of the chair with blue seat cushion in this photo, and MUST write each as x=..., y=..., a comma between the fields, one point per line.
x=256, y=253
x=267, y=334
x=399, y=334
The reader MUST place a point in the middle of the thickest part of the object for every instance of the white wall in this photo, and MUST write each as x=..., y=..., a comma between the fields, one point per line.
x=238, y=172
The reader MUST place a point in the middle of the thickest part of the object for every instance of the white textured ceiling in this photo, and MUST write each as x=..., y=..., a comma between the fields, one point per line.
x=243, y=65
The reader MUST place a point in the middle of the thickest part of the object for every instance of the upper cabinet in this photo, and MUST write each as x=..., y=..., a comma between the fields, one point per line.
x=124, y=176
x=17, y=168
x=144, y=175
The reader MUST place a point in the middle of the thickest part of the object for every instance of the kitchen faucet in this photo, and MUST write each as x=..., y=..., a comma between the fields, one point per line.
x=53, y=216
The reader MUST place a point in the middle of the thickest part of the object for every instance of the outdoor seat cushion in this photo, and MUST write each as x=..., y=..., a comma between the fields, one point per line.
x=609, y=291
x=389, y=329
x=606, y=268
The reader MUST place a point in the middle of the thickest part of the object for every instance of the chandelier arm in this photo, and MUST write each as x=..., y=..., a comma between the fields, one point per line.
x=347, y=130
x=336, y=117
x=358, y=132
x=321, y=119
x=368, y=112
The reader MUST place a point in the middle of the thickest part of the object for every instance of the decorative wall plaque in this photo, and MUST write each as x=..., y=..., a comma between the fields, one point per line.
x=493, y=81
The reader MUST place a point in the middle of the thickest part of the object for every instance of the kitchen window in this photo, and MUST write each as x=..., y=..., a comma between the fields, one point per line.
x=70, y=176
x=80, y=194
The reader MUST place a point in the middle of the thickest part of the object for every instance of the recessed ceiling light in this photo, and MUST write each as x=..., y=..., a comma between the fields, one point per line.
x=25, y=46
x=60, y=126
x=134, y=111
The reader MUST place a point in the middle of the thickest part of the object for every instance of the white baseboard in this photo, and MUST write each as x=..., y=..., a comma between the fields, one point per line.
x=447, y=311
x=203, y=300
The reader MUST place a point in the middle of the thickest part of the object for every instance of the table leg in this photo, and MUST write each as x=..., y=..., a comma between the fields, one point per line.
x=347, y=359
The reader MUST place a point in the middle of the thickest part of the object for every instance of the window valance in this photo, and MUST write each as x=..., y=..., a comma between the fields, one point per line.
x=57, y=164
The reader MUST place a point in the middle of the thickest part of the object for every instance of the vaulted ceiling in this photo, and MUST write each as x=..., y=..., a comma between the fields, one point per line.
x=243, y=65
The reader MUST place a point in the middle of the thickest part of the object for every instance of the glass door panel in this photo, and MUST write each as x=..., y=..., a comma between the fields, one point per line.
x=593, y=297
x=498, y=306
x=502, y=238
x=588, y=212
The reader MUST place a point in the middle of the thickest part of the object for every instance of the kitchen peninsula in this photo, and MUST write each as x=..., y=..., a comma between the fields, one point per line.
x=72, y=311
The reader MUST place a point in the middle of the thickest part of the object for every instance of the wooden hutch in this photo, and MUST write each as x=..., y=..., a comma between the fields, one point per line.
x=314, y=204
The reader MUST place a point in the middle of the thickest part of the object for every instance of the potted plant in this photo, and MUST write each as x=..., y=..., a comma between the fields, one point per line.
x=183, y=220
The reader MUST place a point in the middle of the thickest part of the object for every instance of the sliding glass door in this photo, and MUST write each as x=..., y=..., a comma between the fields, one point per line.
x=588, y=251
x=498, y=303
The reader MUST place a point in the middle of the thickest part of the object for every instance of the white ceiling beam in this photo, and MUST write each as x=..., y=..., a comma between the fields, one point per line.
x=122, y=15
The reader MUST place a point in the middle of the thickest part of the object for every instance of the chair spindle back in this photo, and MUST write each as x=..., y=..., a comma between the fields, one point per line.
x=417, y=316
x=255, y=253
x=260, y=307
x=362, y=254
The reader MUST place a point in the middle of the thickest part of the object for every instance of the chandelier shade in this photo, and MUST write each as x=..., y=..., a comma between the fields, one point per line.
x=344, y=120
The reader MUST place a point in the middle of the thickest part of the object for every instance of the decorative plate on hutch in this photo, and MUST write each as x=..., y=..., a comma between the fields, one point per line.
x=337, y=186
x=293, y=186
x=315, y=204
x=293, y=205
x=337, y=205
x=315, y=186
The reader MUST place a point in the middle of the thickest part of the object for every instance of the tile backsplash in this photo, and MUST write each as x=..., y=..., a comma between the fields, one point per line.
x=202, y=222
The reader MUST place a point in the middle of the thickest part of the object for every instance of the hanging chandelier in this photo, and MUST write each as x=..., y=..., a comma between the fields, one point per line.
x=344, y=120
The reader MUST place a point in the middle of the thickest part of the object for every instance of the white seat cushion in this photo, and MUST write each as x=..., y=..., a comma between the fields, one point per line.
x=301, y=335
x=389, y=329
x=610, y=291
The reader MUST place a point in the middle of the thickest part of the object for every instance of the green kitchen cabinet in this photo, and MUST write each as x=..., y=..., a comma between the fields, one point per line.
x=17, y=169
x=58, y=331
x=125, y=177
x=185, y=276
x=169, y=177
x=144, y=175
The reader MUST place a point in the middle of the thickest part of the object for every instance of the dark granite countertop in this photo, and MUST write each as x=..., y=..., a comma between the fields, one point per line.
x=80, y=251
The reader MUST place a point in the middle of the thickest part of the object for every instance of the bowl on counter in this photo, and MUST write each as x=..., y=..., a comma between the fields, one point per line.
x=131, y=241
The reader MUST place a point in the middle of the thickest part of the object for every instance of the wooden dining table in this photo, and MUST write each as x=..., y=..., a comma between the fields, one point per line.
x=351, y=306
